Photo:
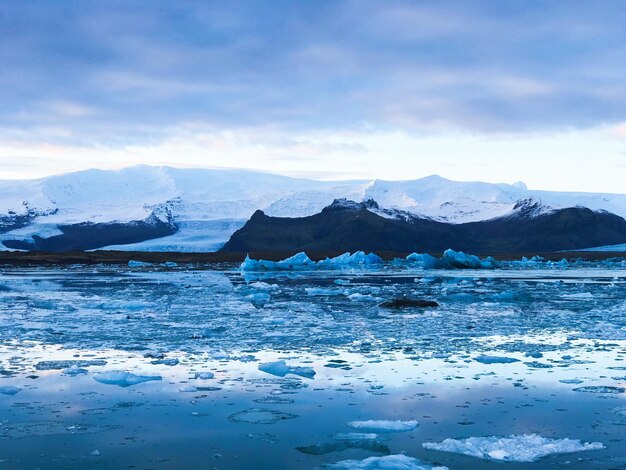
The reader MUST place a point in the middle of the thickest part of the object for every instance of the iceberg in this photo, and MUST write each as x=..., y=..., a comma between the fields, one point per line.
x=122, y=378
x=460, y=260
x=301, y=262
x=451, y=260
x=522, y=448
x=388, y=462
x=424, y=260
x=347, y=260
x=138, y=264
x=384, y=425
x=281, y=369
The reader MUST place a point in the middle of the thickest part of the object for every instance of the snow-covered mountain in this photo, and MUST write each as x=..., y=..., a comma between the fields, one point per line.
x=207, y=206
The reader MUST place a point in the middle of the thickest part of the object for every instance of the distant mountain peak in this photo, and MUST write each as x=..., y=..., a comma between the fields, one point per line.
x=530, y=207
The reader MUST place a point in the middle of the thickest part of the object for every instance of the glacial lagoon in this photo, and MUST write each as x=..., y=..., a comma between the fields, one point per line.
x=160, y=367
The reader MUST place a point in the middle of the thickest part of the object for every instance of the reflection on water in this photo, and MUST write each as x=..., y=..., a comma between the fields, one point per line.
x=201, y=368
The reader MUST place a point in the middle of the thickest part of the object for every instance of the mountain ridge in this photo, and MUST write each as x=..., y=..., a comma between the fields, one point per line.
x=208, y=206
x=356, y=226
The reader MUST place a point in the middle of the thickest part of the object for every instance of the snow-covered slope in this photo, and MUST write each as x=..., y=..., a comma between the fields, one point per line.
x=209, y=205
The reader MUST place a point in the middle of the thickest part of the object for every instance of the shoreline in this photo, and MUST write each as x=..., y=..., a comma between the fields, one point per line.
x=33, y=258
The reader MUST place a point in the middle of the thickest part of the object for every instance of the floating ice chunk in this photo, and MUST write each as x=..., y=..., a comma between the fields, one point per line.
x=204, y=375
x=460, y=260
x=165, y=361
x=259, y=285
x=297, y=261
x=388, y=462
x=57, y=365
x=452, y=259
x=122, y=378
x=188, y=388
x=301, y=262
x=424, y=260
x=138, y=264
x=320, y=291
x=496, y=359
x=348, y=260
x=355, y=436
x=571, y=381
x=535, y=261
x=258, y=298
x=9, y=389
x=384, y=425
x=578, y=295
x=522, y=448
x=169, y=264
x=74, y=370
x=600, y=389
x=281, y=369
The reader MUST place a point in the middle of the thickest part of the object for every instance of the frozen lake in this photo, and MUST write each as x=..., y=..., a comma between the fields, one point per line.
x=187, y=367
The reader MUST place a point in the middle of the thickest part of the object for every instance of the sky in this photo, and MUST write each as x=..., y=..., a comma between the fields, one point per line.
x=499, y=91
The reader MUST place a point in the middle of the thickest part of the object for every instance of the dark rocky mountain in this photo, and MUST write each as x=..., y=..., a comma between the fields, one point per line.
x=350, y=226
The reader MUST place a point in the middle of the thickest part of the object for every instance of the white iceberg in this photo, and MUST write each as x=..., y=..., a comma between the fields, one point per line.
x=281, y=369
x=424, y=260
x=138, y=264
x=388, y=462
x=451, y=260
x=122, y=378
x=384, y=425
x=301, y=262
x=522, y=448
x=347, y=260
x=460, y=260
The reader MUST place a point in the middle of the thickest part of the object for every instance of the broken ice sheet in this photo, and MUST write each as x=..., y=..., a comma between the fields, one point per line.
x=384, y=425
x=123, y=378
x=522, y=448
x=388, y=462
x=281, y=369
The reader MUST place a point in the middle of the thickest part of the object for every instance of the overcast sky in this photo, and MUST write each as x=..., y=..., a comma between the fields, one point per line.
x=472, y=90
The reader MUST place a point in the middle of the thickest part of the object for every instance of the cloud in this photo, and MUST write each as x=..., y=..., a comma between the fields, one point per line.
x=126, y=73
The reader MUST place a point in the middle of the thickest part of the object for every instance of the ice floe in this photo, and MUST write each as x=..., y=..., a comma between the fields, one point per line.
x=600, y=389
x=138, y=264
x=514, y=448
x=384, y=425
x=496, y=359
x=123, y=378
x=281, y=369
x=387, y=462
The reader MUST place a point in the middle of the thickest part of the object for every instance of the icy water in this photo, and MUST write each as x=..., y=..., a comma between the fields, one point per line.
x=161, y=368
